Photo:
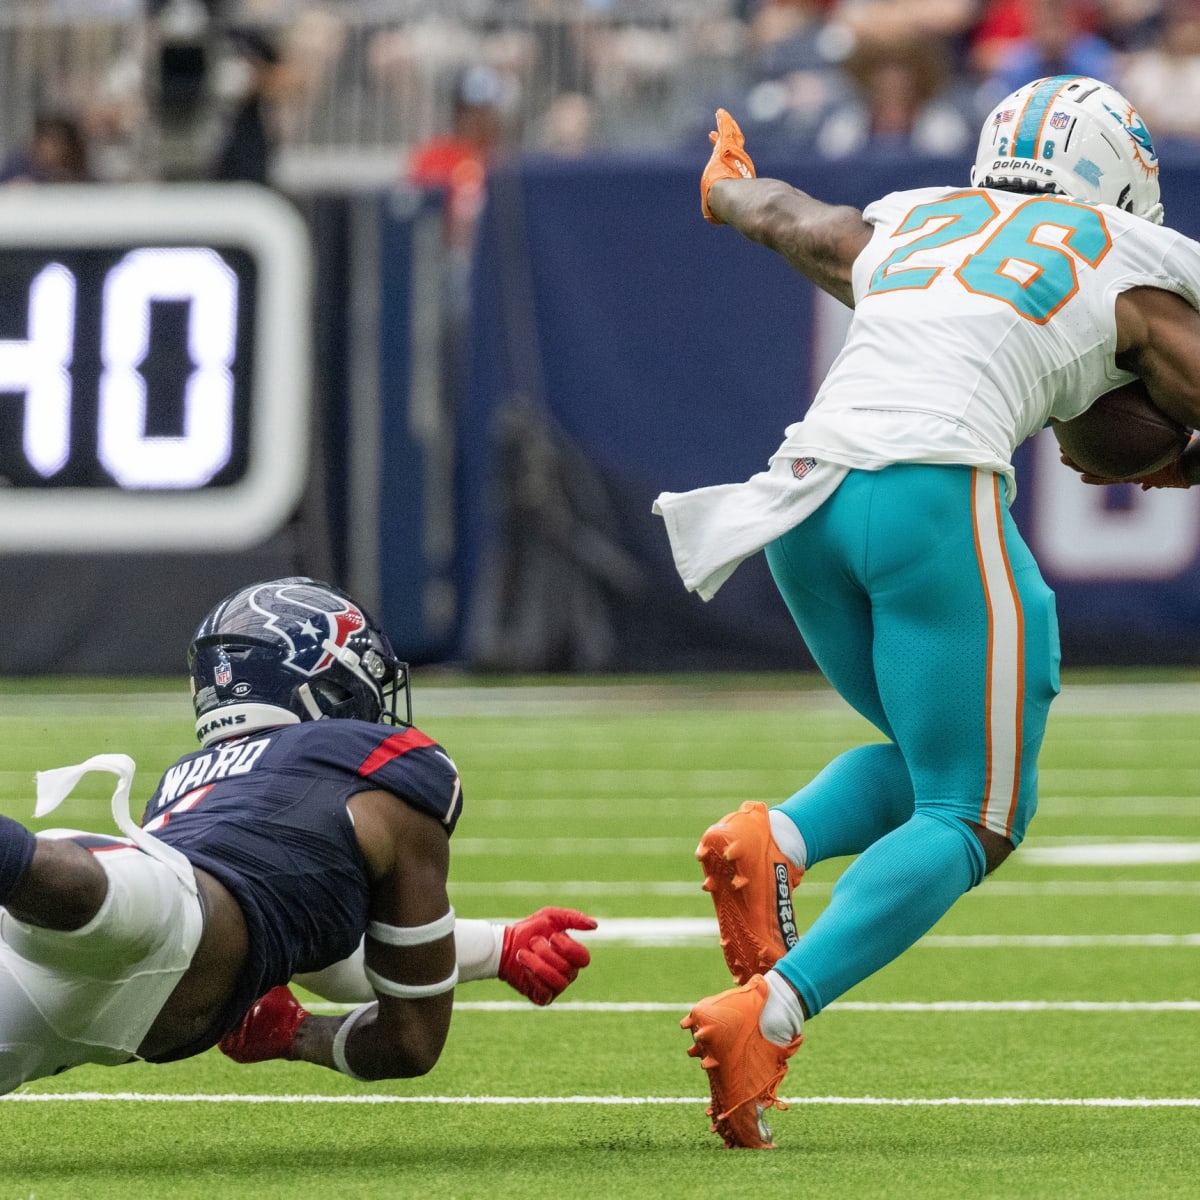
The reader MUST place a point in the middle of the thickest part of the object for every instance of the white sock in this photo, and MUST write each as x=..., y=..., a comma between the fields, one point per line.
x=787, y=837
x=782, y=1015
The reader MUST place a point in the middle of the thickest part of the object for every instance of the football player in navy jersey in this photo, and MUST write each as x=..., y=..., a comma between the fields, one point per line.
x=308, y=836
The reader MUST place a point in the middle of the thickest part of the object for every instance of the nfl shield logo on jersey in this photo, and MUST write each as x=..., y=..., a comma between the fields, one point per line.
x=802, y=466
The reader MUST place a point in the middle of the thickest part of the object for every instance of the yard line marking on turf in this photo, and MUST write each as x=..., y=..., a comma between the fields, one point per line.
x=616, y=1101
x=1108, y=854
x=584, y=887
x=1109, y=700
x=679, y=931
x=1086, y=887
x=848, y=1006
x=673, y=887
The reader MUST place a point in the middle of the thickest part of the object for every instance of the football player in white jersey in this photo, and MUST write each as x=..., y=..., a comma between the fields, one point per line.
x=980, y=314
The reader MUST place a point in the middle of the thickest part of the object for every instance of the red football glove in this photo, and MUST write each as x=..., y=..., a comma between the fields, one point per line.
x=267, y=1030
x=539, y=958
x=729, y=160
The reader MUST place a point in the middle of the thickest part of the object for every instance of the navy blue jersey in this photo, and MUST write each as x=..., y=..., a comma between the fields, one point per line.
x=266, y=815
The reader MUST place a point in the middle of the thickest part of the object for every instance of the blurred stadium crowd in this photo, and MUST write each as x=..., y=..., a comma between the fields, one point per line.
x=343, y=91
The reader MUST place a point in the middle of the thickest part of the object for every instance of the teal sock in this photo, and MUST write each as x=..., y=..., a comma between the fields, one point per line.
x=892, y=894
x=860, y=796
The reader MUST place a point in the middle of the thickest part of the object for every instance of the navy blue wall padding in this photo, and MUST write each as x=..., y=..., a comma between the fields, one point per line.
x=673, y=354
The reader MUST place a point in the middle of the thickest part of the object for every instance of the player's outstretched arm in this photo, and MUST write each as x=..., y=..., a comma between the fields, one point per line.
x=535, y=955
x=820, y=240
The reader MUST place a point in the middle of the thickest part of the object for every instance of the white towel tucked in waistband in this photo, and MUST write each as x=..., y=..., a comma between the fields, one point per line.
x=713, y=529
x=55, y=785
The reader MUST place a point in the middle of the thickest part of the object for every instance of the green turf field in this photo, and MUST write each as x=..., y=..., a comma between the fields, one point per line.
x=1042, y=1041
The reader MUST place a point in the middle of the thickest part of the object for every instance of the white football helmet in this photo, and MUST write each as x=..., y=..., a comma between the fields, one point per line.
x=1072, y=136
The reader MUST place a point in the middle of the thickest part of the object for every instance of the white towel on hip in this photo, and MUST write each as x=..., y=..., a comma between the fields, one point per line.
x=714, y=529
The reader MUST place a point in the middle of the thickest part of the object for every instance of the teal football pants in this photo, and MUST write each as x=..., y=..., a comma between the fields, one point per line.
x=922, y=605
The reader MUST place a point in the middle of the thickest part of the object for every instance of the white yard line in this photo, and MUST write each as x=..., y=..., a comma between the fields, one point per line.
x=1044, y=852
x=1125, y=853
x=680, y=1007
x=1084, y=888
x=843, y=1006
x=679, y=931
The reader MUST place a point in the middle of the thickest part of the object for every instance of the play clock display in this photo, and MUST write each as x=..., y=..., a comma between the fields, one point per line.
x=154, y=363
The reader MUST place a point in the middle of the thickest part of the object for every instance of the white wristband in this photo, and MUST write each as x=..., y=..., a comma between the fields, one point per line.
x=477, y=946
x=342, y=1037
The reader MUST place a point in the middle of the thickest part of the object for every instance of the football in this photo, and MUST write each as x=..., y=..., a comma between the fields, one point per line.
x=1122, y=436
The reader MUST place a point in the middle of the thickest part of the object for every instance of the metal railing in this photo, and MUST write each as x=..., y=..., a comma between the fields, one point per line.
x=362, y=80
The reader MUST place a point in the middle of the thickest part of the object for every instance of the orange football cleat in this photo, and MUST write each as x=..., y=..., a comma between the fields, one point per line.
x=744, y=1069
x=751, y=883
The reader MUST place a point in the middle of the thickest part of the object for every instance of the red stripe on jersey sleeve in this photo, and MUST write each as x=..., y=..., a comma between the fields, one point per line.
x=394, y=747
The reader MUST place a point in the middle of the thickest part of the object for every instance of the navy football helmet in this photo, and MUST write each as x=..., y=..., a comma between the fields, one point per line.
x=291, y=650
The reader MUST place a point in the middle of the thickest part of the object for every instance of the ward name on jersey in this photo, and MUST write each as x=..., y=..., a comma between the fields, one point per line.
x=266, y=815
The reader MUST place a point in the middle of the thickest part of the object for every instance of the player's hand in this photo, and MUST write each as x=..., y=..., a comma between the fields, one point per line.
x=539, y=957
x=1170, y=476
x=728, y=160
x=267, y=1030
x=1086, y=476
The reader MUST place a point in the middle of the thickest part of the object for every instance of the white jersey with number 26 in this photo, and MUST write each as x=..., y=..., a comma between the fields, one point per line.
x=979, y=315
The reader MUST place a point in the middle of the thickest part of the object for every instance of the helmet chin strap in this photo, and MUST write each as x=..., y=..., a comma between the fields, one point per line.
x=350, y=660
x=304, y=691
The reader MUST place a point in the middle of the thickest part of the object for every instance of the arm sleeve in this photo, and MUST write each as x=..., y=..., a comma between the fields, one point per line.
x=477, y=944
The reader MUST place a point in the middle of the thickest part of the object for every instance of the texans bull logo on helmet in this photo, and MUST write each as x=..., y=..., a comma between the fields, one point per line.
x=315, y=627
x=290, y=650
